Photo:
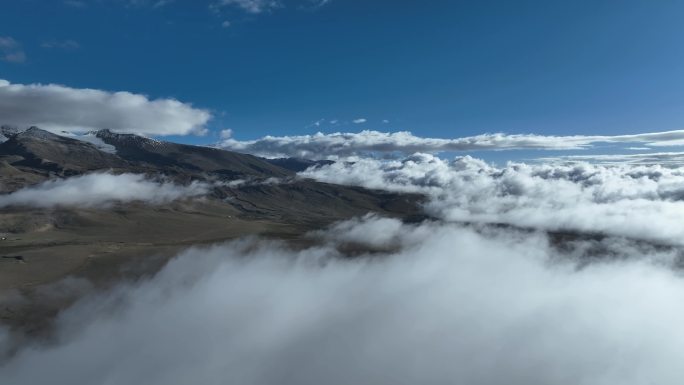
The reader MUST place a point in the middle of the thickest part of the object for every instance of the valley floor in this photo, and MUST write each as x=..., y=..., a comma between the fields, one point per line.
x=50, y=258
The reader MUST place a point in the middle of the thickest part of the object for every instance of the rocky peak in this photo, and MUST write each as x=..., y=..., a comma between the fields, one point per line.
x=133, y=140
x=7, y=132
x=34, y=132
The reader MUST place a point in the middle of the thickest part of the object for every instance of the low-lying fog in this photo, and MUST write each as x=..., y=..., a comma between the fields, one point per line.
x=450, y=305
x=435, y=303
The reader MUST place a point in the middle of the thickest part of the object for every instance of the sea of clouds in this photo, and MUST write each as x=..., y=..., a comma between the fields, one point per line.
x=456, y=299
x=448, y=304
x=636, y=201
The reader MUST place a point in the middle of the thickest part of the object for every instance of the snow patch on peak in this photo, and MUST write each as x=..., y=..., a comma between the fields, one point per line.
x=92, y=138
x=7, y=132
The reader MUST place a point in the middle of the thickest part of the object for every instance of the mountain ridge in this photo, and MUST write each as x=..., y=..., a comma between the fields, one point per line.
x=40, y=152
x=259, y=188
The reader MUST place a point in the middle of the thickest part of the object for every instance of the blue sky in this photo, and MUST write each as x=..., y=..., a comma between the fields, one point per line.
x=436, y=68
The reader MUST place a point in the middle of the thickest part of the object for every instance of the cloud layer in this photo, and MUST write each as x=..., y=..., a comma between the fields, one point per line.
x=452, y=305
x=98, y=190
x=672, y=159
x=56, y=108
x=644, y=202
x=340, y=145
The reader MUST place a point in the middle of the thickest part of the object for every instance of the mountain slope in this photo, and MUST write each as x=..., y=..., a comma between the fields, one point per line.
x=45, y=153
x=169, y=156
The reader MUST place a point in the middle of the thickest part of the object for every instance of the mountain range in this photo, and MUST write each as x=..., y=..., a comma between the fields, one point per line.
x=249, y=196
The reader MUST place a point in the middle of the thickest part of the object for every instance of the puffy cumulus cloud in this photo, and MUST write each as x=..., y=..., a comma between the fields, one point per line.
x=226, y=133
x=369, y=231
x=644, y=202
x=59, y=108
x=98, y=190
x=336, y=145
x=451, y=305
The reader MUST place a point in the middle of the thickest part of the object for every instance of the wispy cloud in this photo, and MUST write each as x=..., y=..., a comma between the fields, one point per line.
x=320, y=3
x=148, y=3
x=67, y=45
x=126, y=3
x=250, y=6
x=255, y=7
x=374, y=142
x=56, y=107
x=162, y=3
x=11, y=50
x=654, y=158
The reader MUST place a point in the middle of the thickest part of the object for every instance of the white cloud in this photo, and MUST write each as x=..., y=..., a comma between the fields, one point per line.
x=225, y=24
x=226, y=134
x=642, y=202
x=250, y=6
x=56, y=108
x=262, y=6
x=450, y=306
x=67, y=45
x=367, y=142
x=11, y=51
x=317, y=123
x=125, y=3
x=653, y=158
x=370, y=231
x=91, y=138
x=7, y=42
x=162, y=3
x=359, y=121
x=15, y=57
x=147, y=3
x=100, y=190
